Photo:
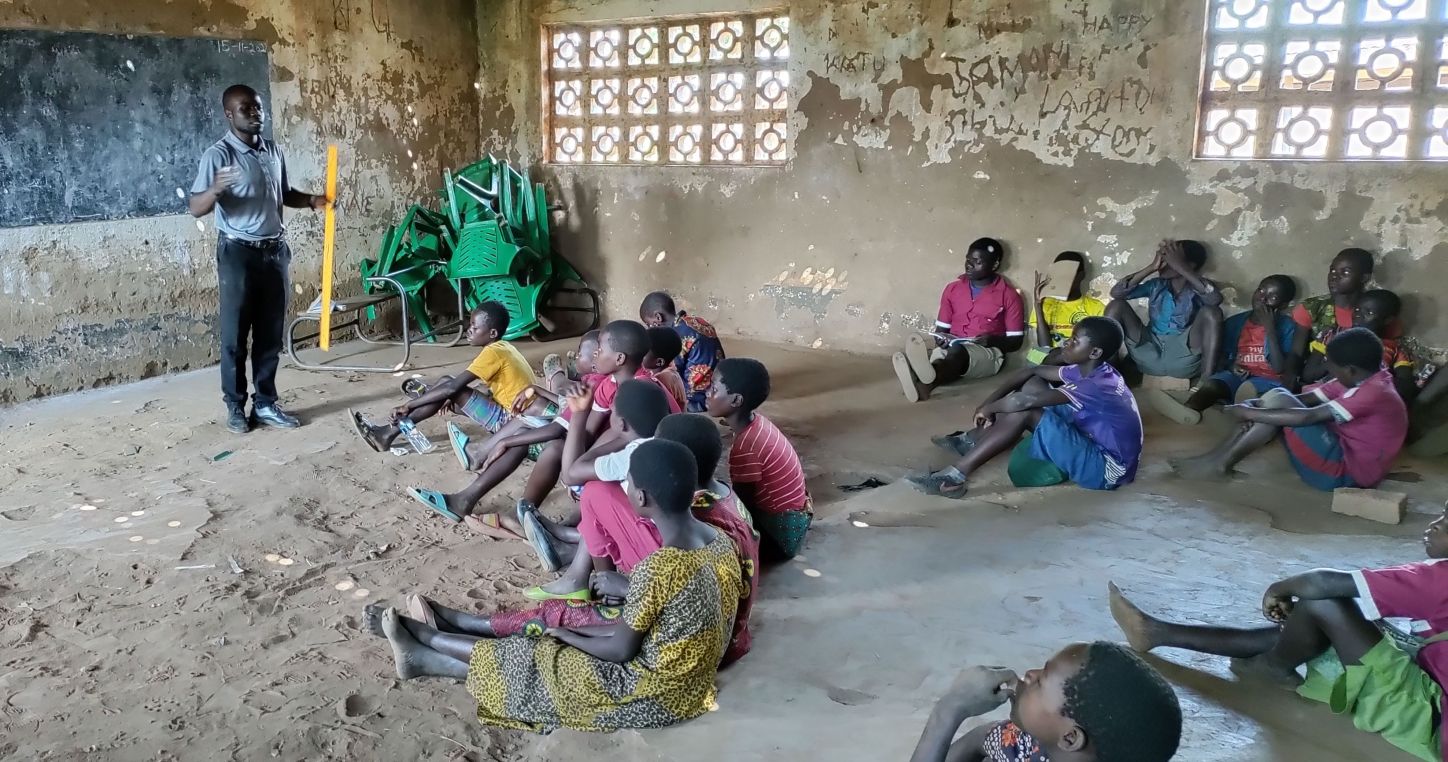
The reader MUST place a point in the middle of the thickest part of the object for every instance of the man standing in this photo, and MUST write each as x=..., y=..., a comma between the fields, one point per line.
x=243, y=176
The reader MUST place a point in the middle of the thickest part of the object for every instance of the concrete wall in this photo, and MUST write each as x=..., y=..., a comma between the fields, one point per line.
x=87, y=304
x=919, y=125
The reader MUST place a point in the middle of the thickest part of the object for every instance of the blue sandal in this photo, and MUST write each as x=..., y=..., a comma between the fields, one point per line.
x=459, y=440
x=434, y=500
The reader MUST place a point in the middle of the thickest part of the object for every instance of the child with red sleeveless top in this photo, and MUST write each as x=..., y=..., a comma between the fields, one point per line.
x=1095, y=702
x=764, y=468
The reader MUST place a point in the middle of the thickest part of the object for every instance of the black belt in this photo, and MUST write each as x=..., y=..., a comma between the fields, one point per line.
x=264, y=245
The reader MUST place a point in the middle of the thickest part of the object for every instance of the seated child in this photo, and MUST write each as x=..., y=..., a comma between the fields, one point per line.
x=622, y=346
x=1183, y=330
x=701, y=351
x=1344, y=433
x=1085, y=422
x=1430, y=434
x=764, y=469
x=556, y=375
x=609, y=534
x=653, y=666
x=1319, y=318
x=717, y=505
x=499, y=366
x=1092, y=702
x=1257, y=355
x=981, y=317
x=665, y=346
x=1377, y=310
x=714, y=504
x=1390, y=679
x=1052, y=319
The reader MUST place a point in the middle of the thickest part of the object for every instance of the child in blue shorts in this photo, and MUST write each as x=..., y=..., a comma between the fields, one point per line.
x=1083, y=421
x=1257, y=353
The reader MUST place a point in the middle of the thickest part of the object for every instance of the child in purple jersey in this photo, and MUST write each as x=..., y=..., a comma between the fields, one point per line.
x=1084, y=422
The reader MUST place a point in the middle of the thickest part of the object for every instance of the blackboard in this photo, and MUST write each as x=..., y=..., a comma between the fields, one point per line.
x=107, y=127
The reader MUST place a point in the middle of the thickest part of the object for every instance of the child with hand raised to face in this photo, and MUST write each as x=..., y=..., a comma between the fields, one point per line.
x=1092, y=702
x=1258, y=355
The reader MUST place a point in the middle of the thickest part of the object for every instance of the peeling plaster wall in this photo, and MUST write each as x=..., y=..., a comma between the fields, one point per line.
x=87, y=304
x=920, y=125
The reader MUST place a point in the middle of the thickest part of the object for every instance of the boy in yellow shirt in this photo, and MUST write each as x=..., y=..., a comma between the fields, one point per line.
x=1053, y=319
x=499, y=366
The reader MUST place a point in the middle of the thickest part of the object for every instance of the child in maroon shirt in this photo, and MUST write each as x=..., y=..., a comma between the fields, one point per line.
x=763, y=466
x=1344, y=433
x=1372, y=641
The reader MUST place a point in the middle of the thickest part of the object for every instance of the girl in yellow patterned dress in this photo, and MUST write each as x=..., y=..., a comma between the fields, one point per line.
x=655, y=667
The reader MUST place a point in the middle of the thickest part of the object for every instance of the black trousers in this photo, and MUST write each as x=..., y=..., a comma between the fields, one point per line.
x=253, y=284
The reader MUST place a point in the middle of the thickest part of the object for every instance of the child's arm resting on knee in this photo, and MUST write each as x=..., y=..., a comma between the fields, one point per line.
x=618, y=646
x=1012, y=398
x=1291, y=416
x=1316, y=585
x=442, y=393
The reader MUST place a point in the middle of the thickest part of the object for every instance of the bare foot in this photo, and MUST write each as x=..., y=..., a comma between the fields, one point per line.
x=405, y=649
x=372, y=619
x=1202, y=467
x=457, y=504
x=1134, y=623
x=1261, y=668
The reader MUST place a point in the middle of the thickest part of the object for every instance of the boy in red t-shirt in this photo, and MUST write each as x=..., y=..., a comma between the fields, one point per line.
x=763, y=467
x=1340, y=624
x=1344, y=433
x=1257, y=351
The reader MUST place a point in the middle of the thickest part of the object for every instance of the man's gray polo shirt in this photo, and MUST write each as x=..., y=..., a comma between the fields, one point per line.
x=251, y=209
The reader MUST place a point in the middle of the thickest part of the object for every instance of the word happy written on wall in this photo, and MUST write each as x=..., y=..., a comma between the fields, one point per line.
x=1325, y=80
x=685, y=91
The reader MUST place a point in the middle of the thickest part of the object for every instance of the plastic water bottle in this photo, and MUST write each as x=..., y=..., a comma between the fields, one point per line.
x=417, y=439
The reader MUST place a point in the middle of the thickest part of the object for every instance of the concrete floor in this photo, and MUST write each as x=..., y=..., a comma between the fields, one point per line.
x=846, y=664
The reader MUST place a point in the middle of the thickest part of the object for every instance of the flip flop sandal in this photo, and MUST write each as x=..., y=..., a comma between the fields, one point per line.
x=957, y=442
x=539, y=594
x=359, y=424
x=459, y=440
x=917, y=354
x=906, y=376
x=491, y=525
x=552, y=366
x=434, y=500
x=414, y=388
x=542, y=543
x=420, y=608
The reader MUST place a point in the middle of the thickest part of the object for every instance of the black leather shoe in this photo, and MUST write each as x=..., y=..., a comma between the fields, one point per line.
x=236, y=421
x=275, y=417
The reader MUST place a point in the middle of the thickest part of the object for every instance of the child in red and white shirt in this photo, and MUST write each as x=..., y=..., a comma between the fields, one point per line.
x=763, y=466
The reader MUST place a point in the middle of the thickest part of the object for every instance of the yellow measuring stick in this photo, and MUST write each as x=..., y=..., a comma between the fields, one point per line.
x=329, y=236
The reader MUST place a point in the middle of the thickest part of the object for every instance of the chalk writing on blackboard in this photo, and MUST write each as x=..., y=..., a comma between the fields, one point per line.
x=240, y=46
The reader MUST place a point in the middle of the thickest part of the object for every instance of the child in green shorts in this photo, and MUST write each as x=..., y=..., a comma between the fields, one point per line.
x=1337, y=623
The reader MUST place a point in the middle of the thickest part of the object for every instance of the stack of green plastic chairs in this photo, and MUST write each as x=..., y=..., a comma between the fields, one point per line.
x=491, y=242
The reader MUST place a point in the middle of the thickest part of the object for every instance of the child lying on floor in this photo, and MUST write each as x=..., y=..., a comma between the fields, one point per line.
x=714, y=504
x=1183, y=331
x=1390, y=680
x=1344, y=433
x=1096, y=702
x=701, y=351
x=1377, y=310
x=499, y=366
x=1084, y=421
x=763, y=466
x=652, y=667
x=622, y=346
x=1258, y=355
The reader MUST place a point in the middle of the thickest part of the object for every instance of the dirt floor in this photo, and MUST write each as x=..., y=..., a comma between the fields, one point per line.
x=171, y=591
